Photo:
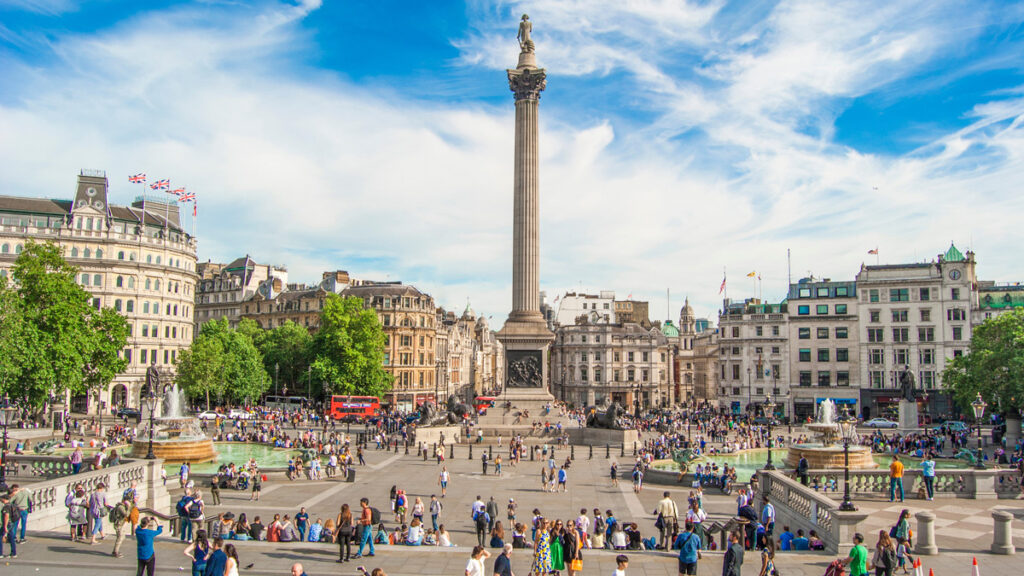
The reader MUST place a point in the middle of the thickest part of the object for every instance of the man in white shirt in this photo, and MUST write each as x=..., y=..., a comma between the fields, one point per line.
x=583, y=526
x=477, y=507
x=669, y=515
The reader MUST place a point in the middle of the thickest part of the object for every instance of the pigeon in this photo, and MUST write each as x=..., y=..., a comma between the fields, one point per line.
x=251, y=564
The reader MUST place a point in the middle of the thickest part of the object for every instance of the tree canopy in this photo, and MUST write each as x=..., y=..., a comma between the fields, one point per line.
x=54, y=341
x=348, y=349
x=994, y=366
x=224, y=363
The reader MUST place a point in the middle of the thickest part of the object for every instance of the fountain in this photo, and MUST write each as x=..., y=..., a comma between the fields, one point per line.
x=826, y=453
x=176, y=437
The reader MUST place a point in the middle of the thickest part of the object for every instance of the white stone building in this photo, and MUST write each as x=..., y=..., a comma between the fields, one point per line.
x=597, y=308
x=753, y=355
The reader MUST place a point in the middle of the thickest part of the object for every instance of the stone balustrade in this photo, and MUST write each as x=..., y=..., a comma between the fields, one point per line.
x=36, y=467
x=801, y=507
x=960, y=483
x=49, y=512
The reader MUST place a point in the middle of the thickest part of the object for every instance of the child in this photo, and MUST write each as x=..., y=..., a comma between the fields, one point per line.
x=903, y=555
x=621, y=563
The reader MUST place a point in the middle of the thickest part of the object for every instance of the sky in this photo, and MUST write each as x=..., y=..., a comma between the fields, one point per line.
x=680, y=140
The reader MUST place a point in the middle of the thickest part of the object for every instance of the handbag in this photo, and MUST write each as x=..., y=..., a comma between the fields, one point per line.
x=576, y=565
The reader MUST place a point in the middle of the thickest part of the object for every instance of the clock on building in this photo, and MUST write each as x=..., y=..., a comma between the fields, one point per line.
x=954, y=274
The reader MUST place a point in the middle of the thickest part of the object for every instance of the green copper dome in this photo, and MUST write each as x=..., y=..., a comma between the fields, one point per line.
x=953, y=255
x=669, y=329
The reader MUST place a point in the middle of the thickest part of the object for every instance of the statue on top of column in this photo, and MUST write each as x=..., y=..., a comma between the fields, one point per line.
x=525, y=28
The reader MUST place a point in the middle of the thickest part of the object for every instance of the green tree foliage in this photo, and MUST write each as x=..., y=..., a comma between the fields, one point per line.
x=348, y=349
x=54, y=340
x=288, y=347
x=222, y=362
x=994, y=367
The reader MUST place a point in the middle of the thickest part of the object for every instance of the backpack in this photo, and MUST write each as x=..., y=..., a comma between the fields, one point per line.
x=892, y=532
x=374, y=516
x=889, y=559
x=482, y=519
x=118, y=514
x=182, y=506
x=196, y=510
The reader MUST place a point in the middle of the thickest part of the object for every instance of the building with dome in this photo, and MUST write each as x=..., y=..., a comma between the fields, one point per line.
x=136, y=259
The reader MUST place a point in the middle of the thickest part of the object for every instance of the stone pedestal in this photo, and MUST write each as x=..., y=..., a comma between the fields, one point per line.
x=925, y=534
x=908, y=415
x=431, y=435
x=1002, y=535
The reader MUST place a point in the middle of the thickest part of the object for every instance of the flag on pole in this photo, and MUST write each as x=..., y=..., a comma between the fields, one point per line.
x=177, y=191
x=875, y=251
x=161, y=184
x=195, y=209
x=556, y=298
x=189, y=197
x=752, y=274
x=722, y=287
x=137, y=179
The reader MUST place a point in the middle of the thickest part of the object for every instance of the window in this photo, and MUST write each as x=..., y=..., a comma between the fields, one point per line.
x=149, y=284
x=804, y=333
x=631, y=375
x=759, y=331
x=822, y=293
x=129, y=306
x=149, y=258
x=119, y=282
x=735, y=371
x=85, y=279
x=900, y=334
x=644, y=356
x=142, y=358
x=597, y=356
x=874, y=316
x=775, y=371
x=842, y=354
x=899, y=294
x=803, y=310
x=629, y=356
x=805, y=354
x=822, y=309
x=156, y=285
x=842, y=291
x=583, y=356
x=823, y=355
x=955, y=294
x=842, y=333
x=899, y=315
x=840, y=308
x=928, y=378
x=875, y=335
x=842, y=378
x=805, y=292
x=926, y=334
x=74, y=252
x=775, y=349
x=958, y=333
x=901, y=357
x=87, y=253
x=145, y=331
x=158, y=261
x=873, y=295
x=926, y=294
x=117, y=305
x=583, y=373
x=145, y=307
x=956, y=314
x=735, y=332
x=120, y=255
x=805, y=378
x=644, y=375
x=958, y=353
x=822, y=333
x=926, y=356
x=131, y=281
x=926, y=315
x=877, y=379
x=99, y=253
x=775, y=330
x=876, y=356
x=824, y=378
x=97, y=280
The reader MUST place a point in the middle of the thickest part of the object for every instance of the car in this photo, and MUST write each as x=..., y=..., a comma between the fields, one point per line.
x=128, y=413
x=952, y=426
x=880, y=423
x=239, y=414
x=208, y=415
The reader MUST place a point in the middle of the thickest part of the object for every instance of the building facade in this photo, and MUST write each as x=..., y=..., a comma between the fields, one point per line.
x=995, y=300
x=824, y=351
x=624, y=363
x=135, y=259
x=632, y=312
x=914, y=316
x=706, y=367
x=223, y=288
x=753, y=355
x=276, y=303
x=595, y=307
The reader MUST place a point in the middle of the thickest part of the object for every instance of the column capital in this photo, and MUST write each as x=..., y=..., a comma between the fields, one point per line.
x=527, y=83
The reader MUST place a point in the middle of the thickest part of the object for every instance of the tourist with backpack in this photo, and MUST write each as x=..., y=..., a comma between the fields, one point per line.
x=185, y=524
x=368, y=518
x=481, y=520
x=118, y=520
x=98, y=510
x=196, y=510
x=884, y=560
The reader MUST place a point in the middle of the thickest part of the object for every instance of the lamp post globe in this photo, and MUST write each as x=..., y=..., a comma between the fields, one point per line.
x=978, y=406
x=848, y=428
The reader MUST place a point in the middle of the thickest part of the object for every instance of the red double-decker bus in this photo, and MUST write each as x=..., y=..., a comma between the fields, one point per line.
x=482, y=403
x=354, y=408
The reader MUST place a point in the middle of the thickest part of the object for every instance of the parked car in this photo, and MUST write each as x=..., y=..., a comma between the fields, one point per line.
x=880, y=423
x=128, y=413
x=952, y=426
x=239, y=414
x=208, y=415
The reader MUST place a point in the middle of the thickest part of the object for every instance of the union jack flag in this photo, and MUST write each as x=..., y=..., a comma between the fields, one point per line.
x=177, y=191
x=195, y=209
x=164, y=184
x=189, y=197
x=137, y=179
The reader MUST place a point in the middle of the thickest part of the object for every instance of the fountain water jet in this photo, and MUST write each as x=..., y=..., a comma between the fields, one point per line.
x=826, y=453
x=176, y=437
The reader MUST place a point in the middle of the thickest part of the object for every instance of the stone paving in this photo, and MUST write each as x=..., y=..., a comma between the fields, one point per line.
x=963, y=527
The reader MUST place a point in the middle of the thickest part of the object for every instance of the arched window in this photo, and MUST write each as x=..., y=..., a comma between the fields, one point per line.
x=87, y=253
x=131, y=281
x=99, y=253
x=5, y=249
x=74, y=252
x=85, y=279
x=145, y=307
x=97, y=280
x=156, y=285
x=131, y=256
x=120, y=255
x=157, y=259
x=119, y=282
x=117, y=305
x=129, y=306
x=149, y=284
x=17, y=249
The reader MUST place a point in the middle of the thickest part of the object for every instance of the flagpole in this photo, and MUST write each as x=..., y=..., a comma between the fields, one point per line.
x=167, y=211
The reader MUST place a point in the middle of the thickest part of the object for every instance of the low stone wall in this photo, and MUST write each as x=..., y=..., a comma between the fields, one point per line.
x=602, y=436
x=431, y=435
x=49, y=512
x=801, y=507
x=32, y=468
x=969, y=483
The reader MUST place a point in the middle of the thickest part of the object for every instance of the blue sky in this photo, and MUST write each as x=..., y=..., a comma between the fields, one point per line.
x=679, y=138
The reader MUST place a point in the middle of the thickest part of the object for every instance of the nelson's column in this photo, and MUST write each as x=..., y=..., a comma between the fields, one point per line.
x=525, y=336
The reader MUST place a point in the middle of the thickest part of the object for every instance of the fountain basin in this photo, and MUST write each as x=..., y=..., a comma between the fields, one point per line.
x=176, y=451
x=821, y=457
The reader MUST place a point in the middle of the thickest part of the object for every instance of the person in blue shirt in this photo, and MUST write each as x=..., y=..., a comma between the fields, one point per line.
x=144, y=536
x=786, y=539
x=928, y=473
x=768, y=516
x=689, y=550
x=217, y=560
x=302, y=523
x=801, y=542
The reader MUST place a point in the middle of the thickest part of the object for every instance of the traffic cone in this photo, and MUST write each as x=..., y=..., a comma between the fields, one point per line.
x=918, y=567
x=975, y=571
x=931, y=572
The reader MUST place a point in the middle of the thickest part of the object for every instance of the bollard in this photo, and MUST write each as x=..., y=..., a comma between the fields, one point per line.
x=434, y=449
x=591, y=457
x=1002, y=535
x=451, y=455
x=424, y=453
x=532, y=452
x=490, y=453
x=622, y=450
x=634, y=448
x=607, y=451
x=396, y=446
x=925, y=534
x=572, y=452
x=471, y=451
x=406, y=447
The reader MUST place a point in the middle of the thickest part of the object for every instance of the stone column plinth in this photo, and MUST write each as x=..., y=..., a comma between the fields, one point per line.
x=1002, y=536
x=926, y=534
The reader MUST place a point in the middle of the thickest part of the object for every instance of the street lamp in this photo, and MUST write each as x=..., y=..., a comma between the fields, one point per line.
x=749, y=389
x=848, y=428
x=769, y=412
x=636, y=402
x=151, y=399
x=979, y=406
x=277, y=375
x=6, y=417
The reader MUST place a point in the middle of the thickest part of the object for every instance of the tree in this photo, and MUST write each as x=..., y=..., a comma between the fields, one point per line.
x=224, y=362
x=348, y=349
x=55, y=341
x=200, y=368
x=288, y=348
x=244, y=376
x=994, y=366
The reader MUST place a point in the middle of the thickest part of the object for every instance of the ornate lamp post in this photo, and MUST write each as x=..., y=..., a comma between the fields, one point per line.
x=769, y=412
x=151, y=399
x=848, y=428
x=277, y=375
x=979, y=406
x=6, y=417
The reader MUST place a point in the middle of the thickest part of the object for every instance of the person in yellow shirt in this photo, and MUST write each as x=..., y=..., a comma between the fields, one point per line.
x=895, y=478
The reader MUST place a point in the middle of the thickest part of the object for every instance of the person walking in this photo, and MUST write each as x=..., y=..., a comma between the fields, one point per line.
x=198, y=550
x=668, y=518
x=7, y=526
x=884, y=559
x=20, y=499
x=435, y=510
x=144, y=536
x=858, y=557
x=928, y=474
x=767, y=559
x=442, y=479
x=801, y=470
x=366, y=526
x=503, y=563
x=98, y=510
x=345, y=530
x=895, y=478
x=119, y=517
x=481, y=521
x=231, y=564
x=475, y=566
x=492, y=513
x=216, y=560
x=183, y=520
x=733, y=561
x=541, y=550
